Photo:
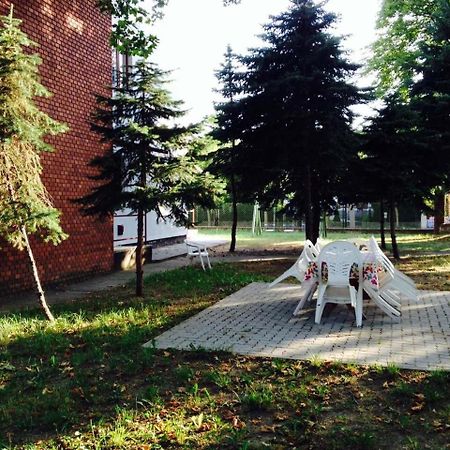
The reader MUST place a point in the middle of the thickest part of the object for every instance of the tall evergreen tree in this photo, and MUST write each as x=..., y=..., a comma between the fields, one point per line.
x=431, y=97
x=394, y=162
x=148, y=168
x=227, y=131
x=297, y=111
x=25, y=206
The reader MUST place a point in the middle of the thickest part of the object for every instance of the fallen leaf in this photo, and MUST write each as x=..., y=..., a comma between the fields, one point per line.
x=237, y=423
x=267, y=429
x=417, y=407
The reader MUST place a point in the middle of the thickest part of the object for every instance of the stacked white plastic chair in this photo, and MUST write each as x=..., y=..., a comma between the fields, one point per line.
x=391, y=282
x=195, y=249
x=339, y=258
x=298, y=270
x=309, y=285
x=361, y=244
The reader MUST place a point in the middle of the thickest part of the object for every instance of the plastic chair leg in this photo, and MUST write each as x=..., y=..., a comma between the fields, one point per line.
x=201, y=261
x=320, y=303
x=307, y=295
x=359, y=312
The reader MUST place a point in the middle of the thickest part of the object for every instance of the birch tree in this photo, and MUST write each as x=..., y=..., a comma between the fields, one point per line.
x=25, y=205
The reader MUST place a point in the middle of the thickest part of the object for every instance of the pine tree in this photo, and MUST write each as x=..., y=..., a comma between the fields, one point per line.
x=297, y=111
x=395, y=158
x=25, y=206
x=148, y=168
x=227, y=131
x=431, y=97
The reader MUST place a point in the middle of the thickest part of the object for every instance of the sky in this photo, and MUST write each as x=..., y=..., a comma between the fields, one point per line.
x=194, y=34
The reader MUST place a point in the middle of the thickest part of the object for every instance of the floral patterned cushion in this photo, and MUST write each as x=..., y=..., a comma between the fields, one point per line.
x=312, y=271
x=370, y=273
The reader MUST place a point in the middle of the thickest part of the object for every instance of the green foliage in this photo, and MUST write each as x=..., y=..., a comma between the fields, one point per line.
x=403, y=27
x=296, y=115
x=431, y=95
x=24, y=201
x=227, y=130
x=129, y=17
x=394, y=154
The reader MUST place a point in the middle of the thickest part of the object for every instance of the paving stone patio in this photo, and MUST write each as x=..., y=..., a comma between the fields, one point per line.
x=258, y=321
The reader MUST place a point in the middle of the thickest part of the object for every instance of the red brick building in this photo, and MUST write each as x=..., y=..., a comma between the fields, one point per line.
x=73, y=44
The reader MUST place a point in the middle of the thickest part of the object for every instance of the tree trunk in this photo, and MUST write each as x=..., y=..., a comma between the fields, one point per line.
x=395, y=251
x=139, y=254
x=308, y=210
x=382, y=234
x=439, y=206
x=235, y=215
x=40, y=291
x=324, y=219
x=316, y=213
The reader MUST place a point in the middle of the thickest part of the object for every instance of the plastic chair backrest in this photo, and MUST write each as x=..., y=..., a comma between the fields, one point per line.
x=379, y=256
x=311, y=250
x=319, y=245
x=340, y=256
x=361, y=244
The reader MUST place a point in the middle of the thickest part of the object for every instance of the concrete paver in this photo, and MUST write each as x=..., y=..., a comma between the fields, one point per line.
x=258, y=321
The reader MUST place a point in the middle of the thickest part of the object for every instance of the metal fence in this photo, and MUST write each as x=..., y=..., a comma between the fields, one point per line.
x=273, y=219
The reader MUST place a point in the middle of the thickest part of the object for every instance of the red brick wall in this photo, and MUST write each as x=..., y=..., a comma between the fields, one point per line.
x=73, y=43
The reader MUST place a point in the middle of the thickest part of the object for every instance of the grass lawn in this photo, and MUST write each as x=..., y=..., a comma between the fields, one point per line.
x=85, y=382
x=282, y=241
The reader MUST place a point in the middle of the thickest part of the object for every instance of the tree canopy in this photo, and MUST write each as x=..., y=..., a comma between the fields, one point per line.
x=130, y=18
x=403, y=27
x=147, y=168
x=296, y=116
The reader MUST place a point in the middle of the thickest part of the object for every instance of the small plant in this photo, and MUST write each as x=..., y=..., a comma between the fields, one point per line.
x=220, y=379
x=404, y=421
x=117, y=437
x=392, y=370
x=439, y=376
x=152, y=395
x=258, y=398
x=402, y=390
x=184, y=373
x=322, y=390
x=316, y=361
x=413, y=443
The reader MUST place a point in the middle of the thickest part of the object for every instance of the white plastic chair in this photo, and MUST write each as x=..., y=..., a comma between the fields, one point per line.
x=339, y=257
x=298, y=269
x=319, y=245
x=309, y=287
x=195, y=249
x=361, y=244
x=383, y=297
x=393, y=280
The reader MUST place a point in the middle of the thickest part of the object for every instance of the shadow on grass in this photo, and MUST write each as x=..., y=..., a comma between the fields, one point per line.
x=78, y=370
x=86, y=381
